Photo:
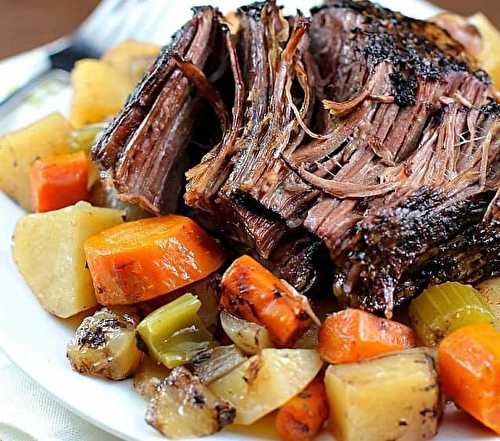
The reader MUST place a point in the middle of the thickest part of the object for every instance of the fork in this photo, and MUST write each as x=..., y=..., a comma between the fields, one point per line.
x=111, y=22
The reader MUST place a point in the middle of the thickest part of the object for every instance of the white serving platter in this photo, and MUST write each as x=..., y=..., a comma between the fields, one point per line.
x=36, y=341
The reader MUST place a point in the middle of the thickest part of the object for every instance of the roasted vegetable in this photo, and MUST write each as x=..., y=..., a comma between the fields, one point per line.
x=303, y=416
x=59, y=181
x=131, y=58
x=392, y=397
x=469, y=371
x=148, y=376
x=174, y=333
x=267, y=381
x=252, y=292
x=214, y=363
x=140, y=260
x=18, y=150
x=352, y=335
x=99, y=92
x=489, y=290
x=104, y=345
x=182, y=407
x=441, y=309
x=48, y=250
x=250, y=337
x=490, y=44
x=82, y=138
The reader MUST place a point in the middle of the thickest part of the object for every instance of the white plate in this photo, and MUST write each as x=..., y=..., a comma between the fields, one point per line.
x=36, y=341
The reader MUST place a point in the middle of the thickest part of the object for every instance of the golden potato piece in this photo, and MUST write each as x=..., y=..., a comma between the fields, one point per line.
x=392, y=397
x=99, y=92
x=48, y=250
x=489, y=57
x=18, y=150
x=132, y=58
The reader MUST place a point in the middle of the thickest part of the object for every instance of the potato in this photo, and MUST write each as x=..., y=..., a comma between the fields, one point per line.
x=393, y=397
x=182, y=407
x=267, y=381
x=18, y=150
x=104, y=344
x=489, y=57
x=148, y=377
x=48, y=250
x=99, y=92
x=132, y=58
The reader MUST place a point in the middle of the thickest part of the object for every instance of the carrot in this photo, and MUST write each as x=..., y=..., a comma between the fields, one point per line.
x=59, y=181
x=353, y=335
x=252, y=292
x=141, y=260
x=303, y=416
x=469, y=370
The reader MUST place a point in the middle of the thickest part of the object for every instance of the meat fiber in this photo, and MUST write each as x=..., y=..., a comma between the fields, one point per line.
x=144, y=147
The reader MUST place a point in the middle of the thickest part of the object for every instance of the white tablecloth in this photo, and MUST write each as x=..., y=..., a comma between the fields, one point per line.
x=29, y=413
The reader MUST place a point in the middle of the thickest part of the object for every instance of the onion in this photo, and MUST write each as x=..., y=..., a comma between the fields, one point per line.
x=250, y=337
x=214, y=363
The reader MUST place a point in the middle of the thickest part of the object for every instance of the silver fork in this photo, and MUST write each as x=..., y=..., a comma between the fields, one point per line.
x=111, y=22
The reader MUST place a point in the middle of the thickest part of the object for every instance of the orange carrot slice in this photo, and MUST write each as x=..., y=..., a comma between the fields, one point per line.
x=252, y=292
x=352, y=335
x=469, y=370
x=59, y=181
x=303, y=416
x=141, y=260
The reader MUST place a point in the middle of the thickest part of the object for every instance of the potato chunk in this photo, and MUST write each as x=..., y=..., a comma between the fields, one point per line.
x=393, y=397
x=182, y=407
x=19, y=149
x=99, y=92
x=132, y=58
x=104, y=345
x=148, y=376
x=489, y=57
x=48, y=250
x=267, y=381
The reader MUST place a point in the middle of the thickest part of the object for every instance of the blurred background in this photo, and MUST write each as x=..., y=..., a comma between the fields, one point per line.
x=25, y=24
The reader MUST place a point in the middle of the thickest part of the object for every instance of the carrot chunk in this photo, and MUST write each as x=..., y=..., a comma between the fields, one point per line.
x=59, y=181
x=141, y=260
x=353, y=335
x=469, y=369
x=252, y=292
x=303, y=416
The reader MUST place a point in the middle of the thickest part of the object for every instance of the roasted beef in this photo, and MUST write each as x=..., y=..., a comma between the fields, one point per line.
x=144, y=147
x=358, y=131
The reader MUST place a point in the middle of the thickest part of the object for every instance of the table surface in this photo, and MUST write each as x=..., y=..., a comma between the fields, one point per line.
x=30, y=23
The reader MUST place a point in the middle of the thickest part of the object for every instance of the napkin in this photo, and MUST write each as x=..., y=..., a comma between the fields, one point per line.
x=29, y=413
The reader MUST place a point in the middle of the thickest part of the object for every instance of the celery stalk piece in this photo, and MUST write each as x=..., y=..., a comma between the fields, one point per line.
x=441, y=309
x=184, y=344
x=174, y=333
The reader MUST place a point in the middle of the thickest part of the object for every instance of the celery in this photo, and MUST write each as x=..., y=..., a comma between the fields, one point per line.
x=174, y=333
x=444, y=308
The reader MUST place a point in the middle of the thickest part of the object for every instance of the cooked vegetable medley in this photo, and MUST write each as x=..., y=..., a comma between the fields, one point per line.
x=221, y=332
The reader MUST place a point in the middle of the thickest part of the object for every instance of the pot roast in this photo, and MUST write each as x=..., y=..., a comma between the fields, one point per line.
x=362, y=147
